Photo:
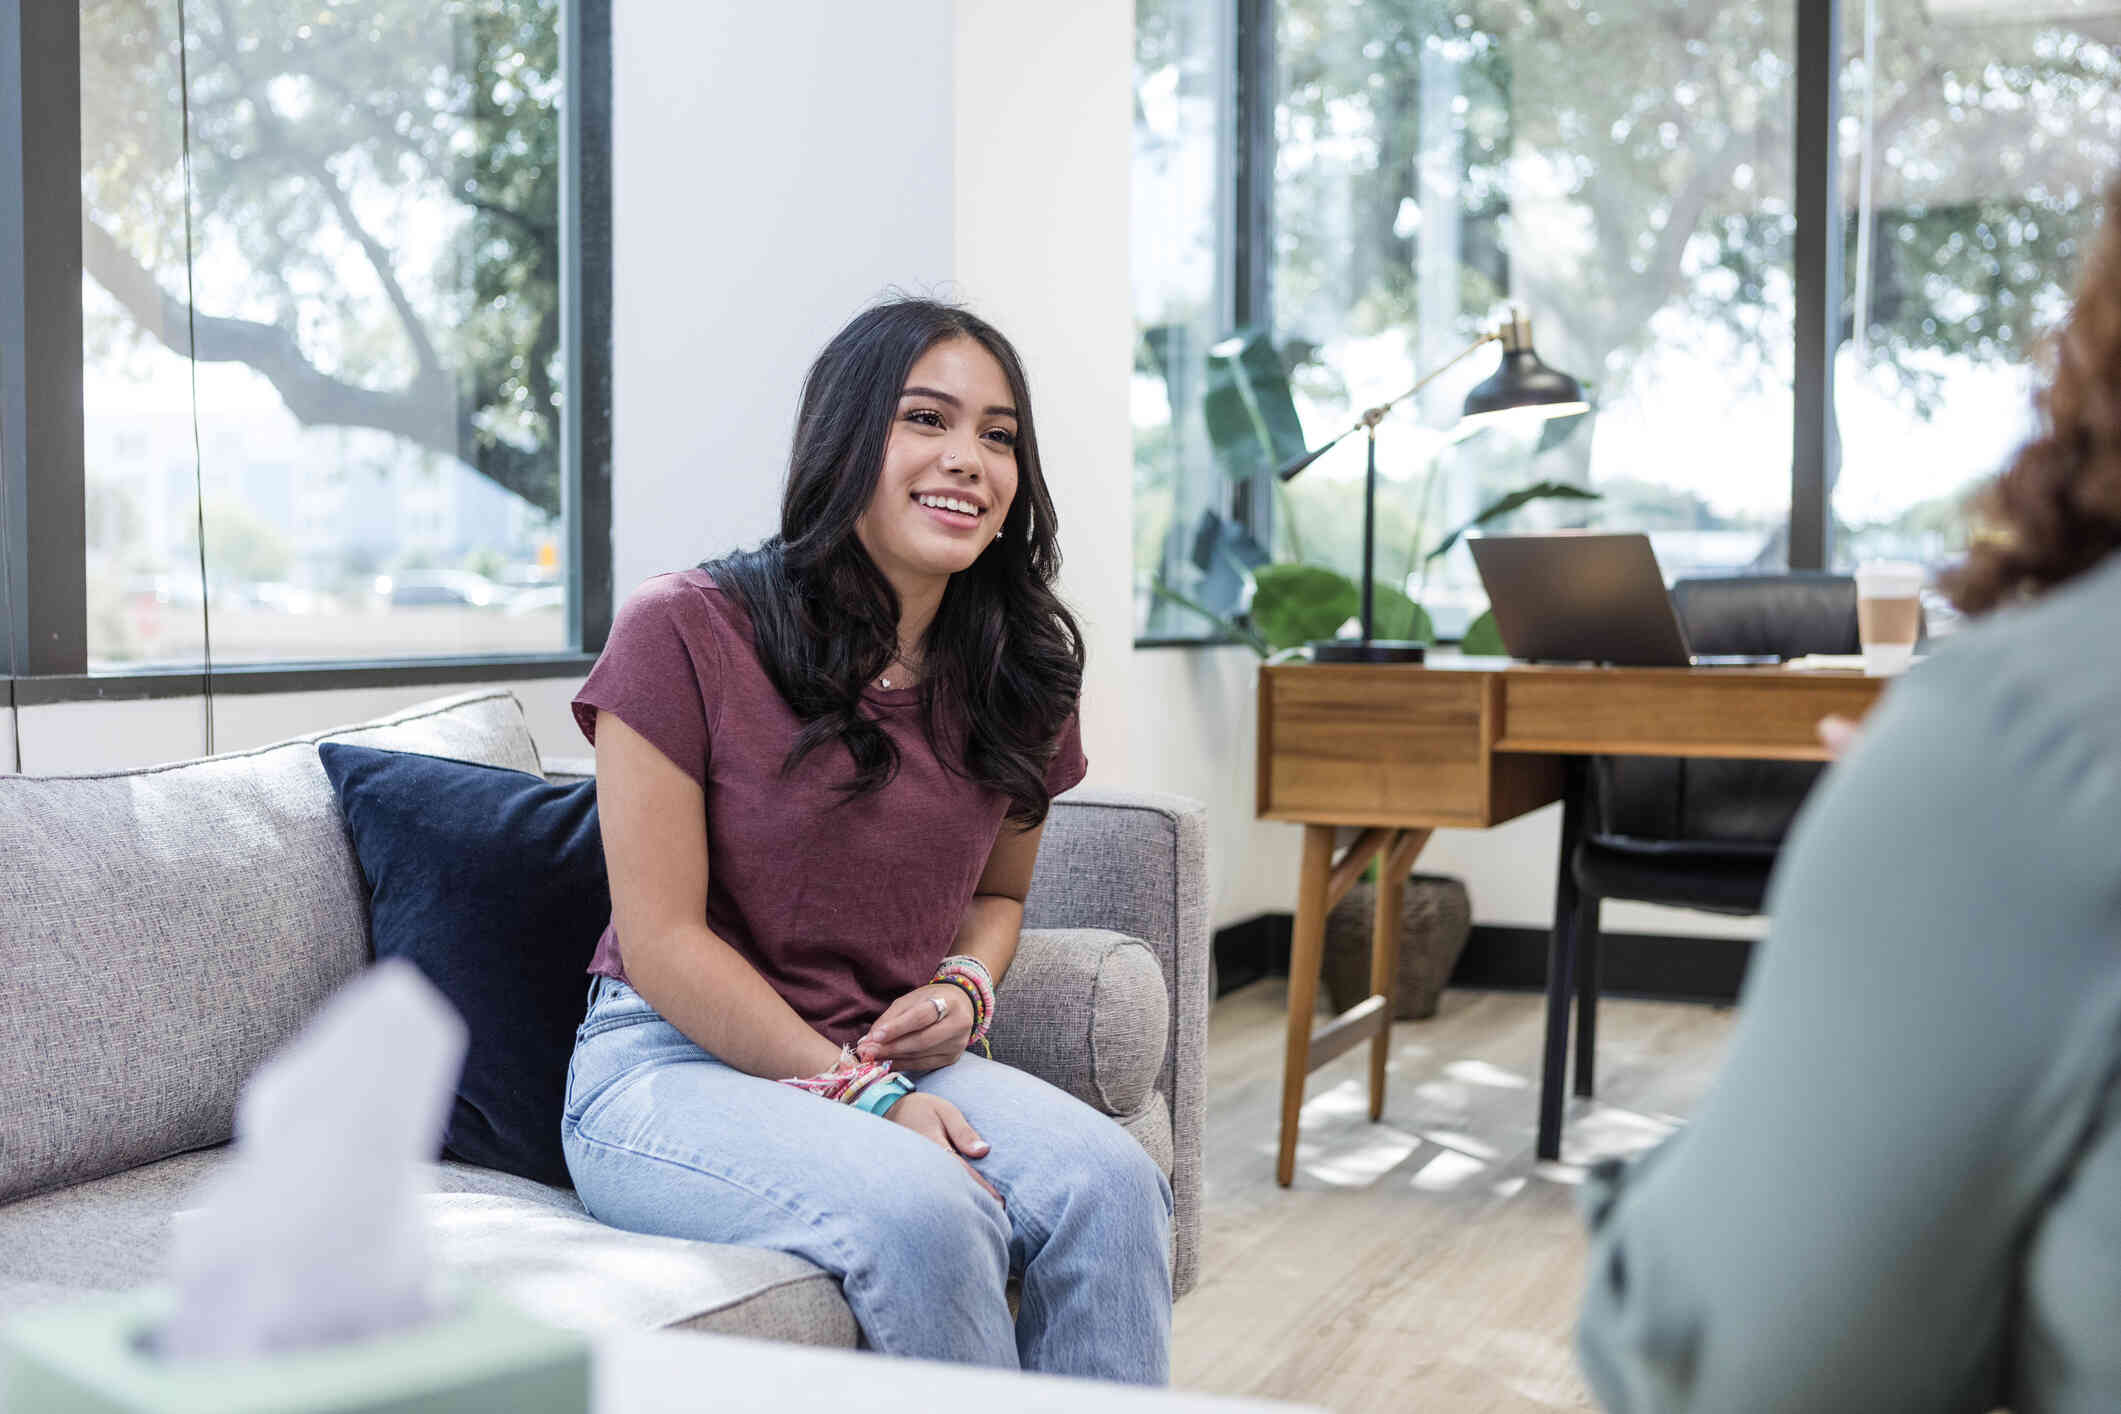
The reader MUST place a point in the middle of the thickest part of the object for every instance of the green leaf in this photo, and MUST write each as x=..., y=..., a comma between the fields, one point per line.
x=1293, y=604
x=1247, y=408
x=1394, y=615
x=1495, y=510
x=1483, y=639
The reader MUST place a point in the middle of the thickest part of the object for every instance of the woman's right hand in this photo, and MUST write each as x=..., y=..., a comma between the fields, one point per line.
x=937, y=1120
x=1838, y=734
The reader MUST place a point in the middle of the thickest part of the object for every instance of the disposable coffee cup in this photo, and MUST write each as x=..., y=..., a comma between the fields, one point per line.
x=1888, y=614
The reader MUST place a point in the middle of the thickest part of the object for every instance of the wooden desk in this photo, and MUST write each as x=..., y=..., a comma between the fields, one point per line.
x=1400, y=751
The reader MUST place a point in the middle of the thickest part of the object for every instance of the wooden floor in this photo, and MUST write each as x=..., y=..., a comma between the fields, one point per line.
x=1427, y=1262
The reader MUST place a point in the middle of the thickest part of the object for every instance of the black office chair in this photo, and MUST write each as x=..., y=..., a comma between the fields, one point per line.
x=1693, y=833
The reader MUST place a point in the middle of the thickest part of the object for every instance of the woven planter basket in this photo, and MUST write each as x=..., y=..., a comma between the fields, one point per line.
x=1434, y=920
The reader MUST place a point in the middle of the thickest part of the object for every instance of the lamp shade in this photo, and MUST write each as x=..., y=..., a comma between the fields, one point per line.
x=1525, y=387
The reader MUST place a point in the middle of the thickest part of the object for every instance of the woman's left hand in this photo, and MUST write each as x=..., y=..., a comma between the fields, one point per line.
x=916, y=1034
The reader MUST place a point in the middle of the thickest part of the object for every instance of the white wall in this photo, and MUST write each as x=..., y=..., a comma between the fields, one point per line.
x=1043, y=129
x=775, y=168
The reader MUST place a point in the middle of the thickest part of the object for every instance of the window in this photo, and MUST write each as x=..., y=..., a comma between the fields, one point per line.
x=362, y=348
x=1629, y=173
x=1431, y=167
x=1990, y=139
x=1184, y=146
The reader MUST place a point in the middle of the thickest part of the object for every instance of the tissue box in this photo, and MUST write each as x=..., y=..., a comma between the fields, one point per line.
x=479, y=1355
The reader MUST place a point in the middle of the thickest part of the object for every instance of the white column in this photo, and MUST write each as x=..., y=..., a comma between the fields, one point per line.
x=1043, y=99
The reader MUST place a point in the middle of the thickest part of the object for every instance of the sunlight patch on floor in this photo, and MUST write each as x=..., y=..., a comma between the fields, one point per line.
x=1363, y=1157
x=1447, y=1172
x=1479, y=1072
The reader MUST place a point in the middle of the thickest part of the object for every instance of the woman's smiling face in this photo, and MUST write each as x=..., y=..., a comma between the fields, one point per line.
x=949, y=467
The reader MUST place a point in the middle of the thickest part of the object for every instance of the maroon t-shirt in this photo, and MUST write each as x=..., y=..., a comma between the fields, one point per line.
x=843, y=906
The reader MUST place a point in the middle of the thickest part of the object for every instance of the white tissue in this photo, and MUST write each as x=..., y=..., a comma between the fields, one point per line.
x=311, y=1234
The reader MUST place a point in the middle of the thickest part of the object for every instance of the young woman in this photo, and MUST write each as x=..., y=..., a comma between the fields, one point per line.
x=1905, y=1190
x=823, y=768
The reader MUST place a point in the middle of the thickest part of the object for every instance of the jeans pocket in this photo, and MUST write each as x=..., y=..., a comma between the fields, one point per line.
x=613, y=1047
x=587, y=1101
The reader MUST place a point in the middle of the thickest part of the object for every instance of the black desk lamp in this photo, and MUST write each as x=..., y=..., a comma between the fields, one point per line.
x=1522, y=388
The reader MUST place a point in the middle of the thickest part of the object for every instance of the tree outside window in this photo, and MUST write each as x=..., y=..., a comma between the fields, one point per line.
x=369, y=276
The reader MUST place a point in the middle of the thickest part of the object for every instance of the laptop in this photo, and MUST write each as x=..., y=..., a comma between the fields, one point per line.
x=1581, y=597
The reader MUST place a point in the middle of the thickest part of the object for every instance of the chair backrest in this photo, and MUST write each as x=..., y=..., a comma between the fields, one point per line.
x=1788, y=615
x=1729, y=802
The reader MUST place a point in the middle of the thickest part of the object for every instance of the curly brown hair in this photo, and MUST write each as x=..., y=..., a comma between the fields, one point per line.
x=2055, y=512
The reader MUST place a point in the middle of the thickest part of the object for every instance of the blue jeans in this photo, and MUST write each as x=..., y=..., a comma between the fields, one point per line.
x=663, y=1138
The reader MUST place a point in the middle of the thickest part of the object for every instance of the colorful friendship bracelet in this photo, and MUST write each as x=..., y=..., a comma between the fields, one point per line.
x=846, y=1081
x=970, y=976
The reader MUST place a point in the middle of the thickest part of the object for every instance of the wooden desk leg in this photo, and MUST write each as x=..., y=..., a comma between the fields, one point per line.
x=1307, y=949
x=1397, y=859
x=1561, y=963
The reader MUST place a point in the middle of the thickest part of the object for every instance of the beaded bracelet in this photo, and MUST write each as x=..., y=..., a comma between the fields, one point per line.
x=969, y=975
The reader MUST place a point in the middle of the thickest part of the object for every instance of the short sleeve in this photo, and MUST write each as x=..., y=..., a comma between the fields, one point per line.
x=1068, y=766
x=660, y=672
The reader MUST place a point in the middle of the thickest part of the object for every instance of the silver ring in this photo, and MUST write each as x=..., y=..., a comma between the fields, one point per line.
x=941, y=1010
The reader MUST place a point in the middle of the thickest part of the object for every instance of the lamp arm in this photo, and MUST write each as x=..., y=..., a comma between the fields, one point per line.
x=1372, y=416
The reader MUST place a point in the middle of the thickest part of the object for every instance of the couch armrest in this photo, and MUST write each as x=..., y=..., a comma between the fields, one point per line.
x=1137, y=864
x=1088, y=1011
x=567, y=769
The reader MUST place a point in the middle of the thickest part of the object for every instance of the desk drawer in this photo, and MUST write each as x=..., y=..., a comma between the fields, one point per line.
x=1766, y=713
x=1371, y=745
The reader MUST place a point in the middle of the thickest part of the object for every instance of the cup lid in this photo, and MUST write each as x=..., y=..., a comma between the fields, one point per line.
x=1901, y=575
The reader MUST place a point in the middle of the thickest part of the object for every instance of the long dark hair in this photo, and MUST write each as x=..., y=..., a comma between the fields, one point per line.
x=1003, y=654
x=2055, y=512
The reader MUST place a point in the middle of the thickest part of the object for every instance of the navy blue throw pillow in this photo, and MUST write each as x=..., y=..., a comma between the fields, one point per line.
x=491, y=882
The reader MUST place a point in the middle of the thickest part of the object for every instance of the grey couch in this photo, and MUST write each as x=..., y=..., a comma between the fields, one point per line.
x=163, y=930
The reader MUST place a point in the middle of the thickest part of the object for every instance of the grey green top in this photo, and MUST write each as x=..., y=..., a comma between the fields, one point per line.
x=1905, y=1189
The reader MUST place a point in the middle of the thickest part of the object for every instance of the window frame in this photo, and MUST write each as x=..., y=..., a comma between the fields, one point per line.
x=43, y=537
x=1816, y=273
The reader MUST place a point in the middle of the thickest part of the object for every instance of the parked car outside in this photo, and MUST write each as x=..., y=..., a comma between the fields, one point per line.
x=451, y=589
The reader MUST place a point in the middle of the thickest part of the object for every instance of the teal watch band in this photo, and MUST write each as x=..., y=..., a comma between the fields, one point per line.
x=880, y=1097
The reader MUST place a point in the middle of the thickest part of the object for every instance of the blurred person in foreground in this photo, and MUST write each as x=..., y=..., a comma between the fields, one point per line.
x=1904, y=1191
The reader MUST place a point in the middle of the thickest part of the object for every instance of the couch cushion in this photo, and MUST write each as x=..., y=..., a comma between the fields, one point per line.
x=491, y=882
x=573, y=1271
x=1086, y=1010
x=531, y=1243
x=163, y=930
